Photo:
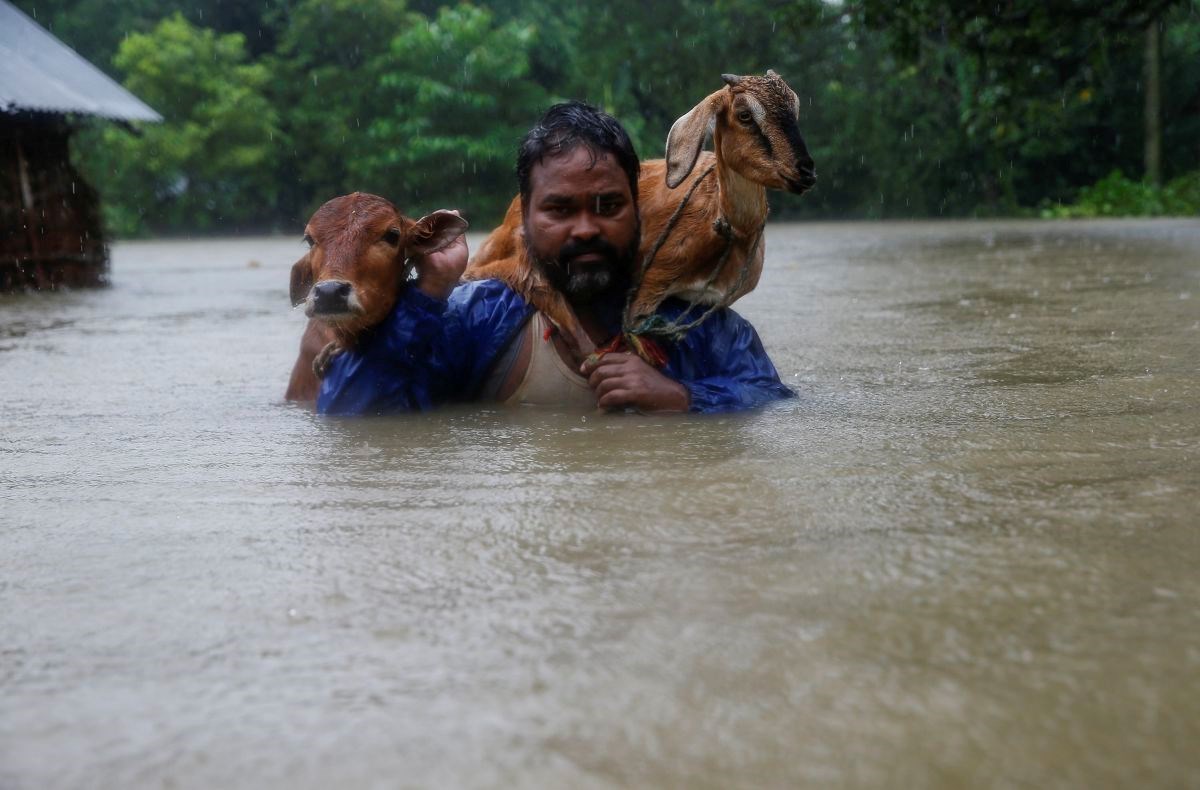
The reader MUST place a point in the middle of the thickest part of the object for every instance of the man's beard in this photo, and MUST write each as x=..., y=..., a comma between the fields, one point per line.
x=582, y=283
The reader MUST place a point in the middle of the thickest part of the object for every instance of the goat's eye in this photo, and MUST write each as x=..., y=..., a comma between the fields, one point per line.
x=745, y=116
x=309, y=241
x=392, y=237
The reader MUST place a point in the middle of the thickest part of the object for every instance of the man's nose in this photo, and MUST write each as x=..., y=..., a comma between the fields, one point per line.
x=585, y=226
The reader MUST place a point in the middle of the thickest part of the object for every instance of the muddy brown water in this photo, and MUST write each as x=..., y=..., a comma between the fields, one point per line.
x=966, y=555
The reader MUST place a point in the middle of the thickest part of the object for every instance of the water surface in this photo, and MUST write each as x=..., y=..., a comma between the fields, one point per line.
x=965, y=556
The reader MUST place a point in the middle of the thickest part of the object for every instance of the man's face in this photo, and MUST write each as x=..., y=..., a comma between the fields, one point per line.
x=581, y=225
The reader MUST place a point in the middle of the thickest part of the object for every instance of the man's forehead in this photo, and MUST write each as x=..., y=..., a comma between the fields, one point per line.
x=578, y=169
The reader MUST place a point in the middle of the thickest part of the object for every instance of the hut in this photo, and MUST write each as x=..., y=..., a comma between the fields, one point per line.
x=50, y=230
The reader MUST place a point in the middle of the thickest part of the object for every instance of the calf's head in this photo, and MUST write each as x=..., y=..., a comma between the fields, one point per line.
x=755, y=122
x=356, y=263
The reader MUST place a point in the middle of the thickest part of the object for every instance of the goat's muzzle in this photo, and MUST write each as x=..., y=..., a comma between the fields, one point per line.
x=332, y=299
x=806, y=179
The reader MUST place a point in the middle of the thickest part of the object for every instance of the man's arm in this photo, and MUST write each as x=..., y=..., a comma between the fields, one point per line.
x=623, y=380
x=724, y=367
x=395, y=366
x=719, y=366
x=435, y=346
x=427, y=353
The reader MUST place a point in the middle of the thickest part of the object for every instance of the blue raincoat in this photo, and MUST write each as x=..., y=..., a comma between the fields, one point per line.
x=428, y=352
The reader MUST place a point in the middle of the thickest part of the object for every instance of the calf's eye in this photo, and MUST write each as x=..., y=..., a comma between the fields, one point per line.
x=745, y=116
x=309, y=241
x=392, y=237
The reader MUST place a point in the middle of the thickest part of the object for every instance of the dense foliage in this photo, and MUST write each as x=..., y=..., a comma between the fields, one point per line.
x=915, y=108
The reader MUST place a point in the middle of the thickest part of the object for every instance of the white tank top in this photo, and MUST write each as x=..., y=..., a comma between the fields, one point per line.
x=548, y=380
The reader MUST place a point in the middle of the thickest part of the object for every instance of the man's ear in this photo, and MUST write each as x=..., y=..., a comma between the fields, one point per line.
x=302, y=279
x=434, y=231
x=687, y=137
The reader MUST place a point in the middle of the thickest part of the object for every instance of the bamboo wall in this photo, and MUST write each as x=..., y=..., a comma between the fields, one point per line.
x=50, y=231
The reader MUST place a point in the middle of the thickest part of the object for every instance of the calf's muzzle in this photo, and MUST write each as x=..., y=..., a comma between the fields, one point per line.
x=331, y=297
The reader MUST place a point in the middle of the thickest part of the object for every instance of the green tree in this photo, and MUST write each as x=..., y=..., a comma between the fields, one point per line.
x=911, y=108
x=211, y=162
x=453, y=99
x=328, y=69
x=1036, y=83
x=96, y=28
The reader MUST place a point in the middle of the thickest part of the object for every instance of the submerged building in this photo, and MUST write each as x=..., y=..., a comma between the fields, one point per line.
x=50, y=229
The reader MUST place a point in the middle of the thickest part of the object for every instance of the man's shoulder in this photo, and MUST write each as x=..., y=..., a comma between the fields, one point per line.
x=490, y=290
x=675, y=310
x=487, y=301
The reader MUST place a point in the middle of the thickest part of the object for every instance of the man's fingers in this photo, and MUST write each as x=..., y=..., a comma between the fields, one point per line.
x=607, y=360
x=601, y=372
x=615, y=399
x=607, y=385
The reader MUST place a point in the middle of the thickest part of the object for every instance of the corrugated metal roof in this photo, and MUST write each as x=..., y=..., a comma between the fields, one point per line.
x=39, y=73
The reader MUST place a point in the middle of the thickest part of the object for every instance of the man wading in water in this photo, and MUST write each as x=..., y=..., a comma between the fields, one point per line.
x=449, y=342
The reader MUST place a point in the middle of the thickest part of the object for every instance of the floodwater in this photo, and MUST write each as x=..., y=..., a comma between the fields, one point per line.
x=966, y=555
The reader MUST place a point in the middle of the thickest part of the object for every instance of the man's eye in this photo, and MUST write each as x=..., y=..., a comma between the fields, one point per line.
x=607, y=208
x=559, y=211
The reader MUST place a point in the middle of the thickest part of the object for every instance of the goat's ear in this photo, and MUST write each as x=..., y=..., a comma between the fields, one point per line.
x=686, y=138
x=302, y=279
x=434, y=231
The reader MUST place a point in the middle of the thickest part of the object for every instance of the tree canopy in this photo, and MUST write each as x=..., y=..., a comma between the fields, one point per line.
x=913, y=108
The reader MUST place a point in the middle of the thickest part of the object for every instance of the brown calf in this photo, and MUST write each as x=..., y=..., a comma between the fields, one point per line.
x=757, y=145
x=352, y=274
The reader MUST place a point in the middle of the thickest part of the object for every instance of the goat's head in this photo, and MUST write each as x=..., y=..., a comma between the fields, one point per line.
x=355, y=265
x=755, y=123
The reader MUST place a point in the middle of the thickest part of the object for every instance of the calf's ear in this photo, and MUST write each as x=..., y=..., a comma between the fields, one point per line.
x=434, y=231
x=302, y=279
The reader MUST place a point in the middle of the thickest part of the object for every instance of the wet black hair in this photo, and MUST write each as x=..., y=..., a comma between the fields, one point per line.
x=570, y=124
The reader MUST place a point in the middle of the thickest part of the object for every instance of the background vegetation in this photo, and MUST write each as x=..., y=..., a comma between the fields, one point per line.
x=918, y=108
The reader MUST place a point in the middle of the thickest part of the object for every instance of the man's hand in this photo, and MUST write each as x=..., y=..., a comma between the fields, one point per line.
x=624, y=380
x=438, y=272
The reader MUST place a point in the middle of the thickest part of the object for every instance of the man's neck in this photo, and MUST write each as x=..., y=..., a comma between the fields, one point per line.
x=596, y=328
x=598, y=318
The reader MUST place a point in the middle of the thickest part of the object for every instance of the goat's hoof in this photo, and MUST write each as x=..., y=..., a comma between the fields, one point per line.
x=321, y=361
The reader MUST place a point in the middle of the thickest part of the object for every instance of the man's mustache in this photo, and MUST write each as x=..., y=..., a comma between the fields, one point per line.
x=578, y=247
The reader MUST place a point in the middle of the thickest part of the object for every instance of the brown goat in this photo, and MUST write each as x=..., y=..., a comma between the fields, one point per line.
x=352, y=274
x=757, y=145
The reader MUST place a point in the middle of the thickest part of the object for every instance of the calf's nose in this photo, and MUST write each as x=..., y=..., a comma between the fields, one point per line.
x=331, y=296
